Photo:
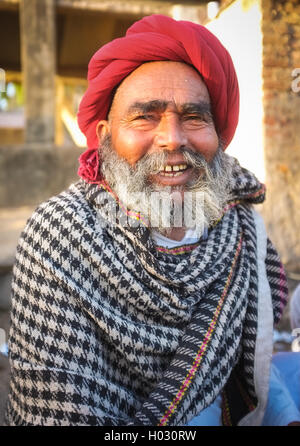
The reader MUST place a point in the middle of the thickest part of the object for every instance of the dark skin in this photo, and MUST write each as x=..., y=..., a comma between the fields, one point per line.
x=162, y=106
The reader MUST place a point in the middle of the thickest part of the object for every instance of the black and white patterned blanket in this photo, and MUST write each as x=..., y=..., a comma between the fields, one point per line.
x=107, y=330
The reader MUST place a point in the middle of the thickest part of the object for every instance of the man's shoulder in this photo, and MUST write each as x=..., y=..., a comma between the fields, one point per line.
x=62, y=212
x=71, y=198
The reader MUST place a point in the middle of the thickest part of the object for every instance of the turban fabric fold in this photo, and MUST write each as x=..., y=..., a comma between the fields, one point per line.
x=157, y=38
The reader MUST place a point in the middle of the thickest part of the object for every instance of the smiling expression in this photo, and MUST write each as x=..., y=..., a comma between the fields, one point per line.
x=162, y=106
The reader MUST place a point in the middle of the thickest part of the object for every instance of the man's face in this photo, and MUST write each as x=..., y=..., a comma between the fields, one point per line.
x=162, y=106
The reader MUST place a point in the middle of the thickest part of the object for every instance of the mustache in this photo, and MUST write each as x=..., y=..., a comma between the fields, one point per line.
x=155, y=162
x=151, y=164
x=207, y=174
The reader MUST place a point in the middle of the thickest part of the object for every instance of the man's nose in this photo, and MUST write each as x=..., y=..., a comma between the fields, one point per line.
x=170, y=134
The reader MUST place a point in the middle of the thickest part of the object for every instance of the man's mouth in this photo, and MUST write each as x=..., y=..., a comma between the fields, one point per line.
x=173, y=171
x=174, y=174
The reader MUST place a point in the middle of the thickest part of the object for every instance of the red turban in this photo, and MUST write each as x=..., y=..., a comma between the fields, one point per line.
x=156, y=38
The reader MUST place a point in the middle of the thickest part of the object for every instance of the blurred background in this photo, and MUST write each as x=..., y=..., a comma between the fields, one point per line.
x=45, y=49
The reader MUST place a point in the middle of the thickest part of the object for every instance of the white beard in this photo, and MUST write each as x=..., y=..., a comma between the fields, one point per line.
x=196, y=205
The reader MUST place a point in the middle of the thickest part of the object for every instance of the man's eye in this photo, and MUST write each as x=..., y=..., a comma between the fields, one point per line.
x=194, y=117
x=199, y=119
x=145, y=117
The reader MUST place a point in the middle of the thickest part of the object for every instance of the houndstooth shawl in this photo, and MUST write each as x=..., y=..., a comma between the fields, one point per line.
x=108, y=330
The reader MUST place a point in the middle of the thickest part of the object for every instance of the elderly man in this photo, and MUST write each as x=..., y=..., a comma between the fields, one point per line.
x=121, y=315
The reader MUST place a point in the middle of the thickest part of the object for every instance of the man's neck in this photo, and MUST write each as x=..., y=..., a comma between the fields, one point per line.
x=175, y=233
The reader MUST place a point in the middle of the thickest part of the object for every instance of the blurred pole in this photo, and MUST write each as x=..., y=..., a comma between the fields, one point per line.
x=38, y=56
x=59, y=128
x=196, y=14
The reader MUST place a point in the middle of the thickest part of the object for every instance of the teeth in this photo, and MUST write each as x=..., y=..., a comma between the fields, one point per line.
x=175, y=168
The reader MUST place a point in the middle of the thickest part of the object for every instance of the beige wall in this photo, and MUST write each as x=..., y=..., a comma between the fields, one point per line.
x=238, y=28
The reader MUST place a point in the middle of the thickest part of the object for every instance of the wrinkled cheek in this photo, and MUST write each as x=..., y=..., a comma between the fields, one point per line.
x=207, y=147
x=131, y=148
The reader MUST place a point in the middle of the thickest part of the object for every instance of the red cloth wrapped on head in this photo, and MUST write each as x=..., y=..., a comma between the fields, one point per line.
x=156, y=38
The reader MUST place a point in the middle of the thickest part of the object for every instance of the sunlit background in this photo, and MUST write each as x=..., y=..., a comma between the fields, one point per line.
x=238, y=26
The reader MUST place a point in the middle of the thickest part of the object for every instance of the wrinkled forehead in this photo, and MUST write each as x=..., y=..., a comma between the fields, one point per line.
x=160, y=81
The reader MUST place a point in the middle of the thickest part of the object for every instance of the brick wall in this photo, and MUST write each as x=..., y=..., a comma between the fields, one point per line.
x=281, y=55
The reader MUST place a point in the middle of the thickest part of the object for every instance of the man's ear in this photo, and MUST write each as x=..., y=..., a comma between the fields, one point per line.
x=102, y=129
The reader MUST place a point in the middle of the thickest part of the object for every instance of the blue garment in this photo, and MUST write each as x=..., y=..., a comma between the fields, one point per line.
x=281, y=408
x=210, y=416
x=288, y=364
x=280, y=411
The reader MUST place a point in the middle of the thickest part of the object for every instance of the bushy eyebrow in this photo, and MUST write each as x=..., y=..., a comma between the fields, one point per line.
x=146, y=107
x=201, y=108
